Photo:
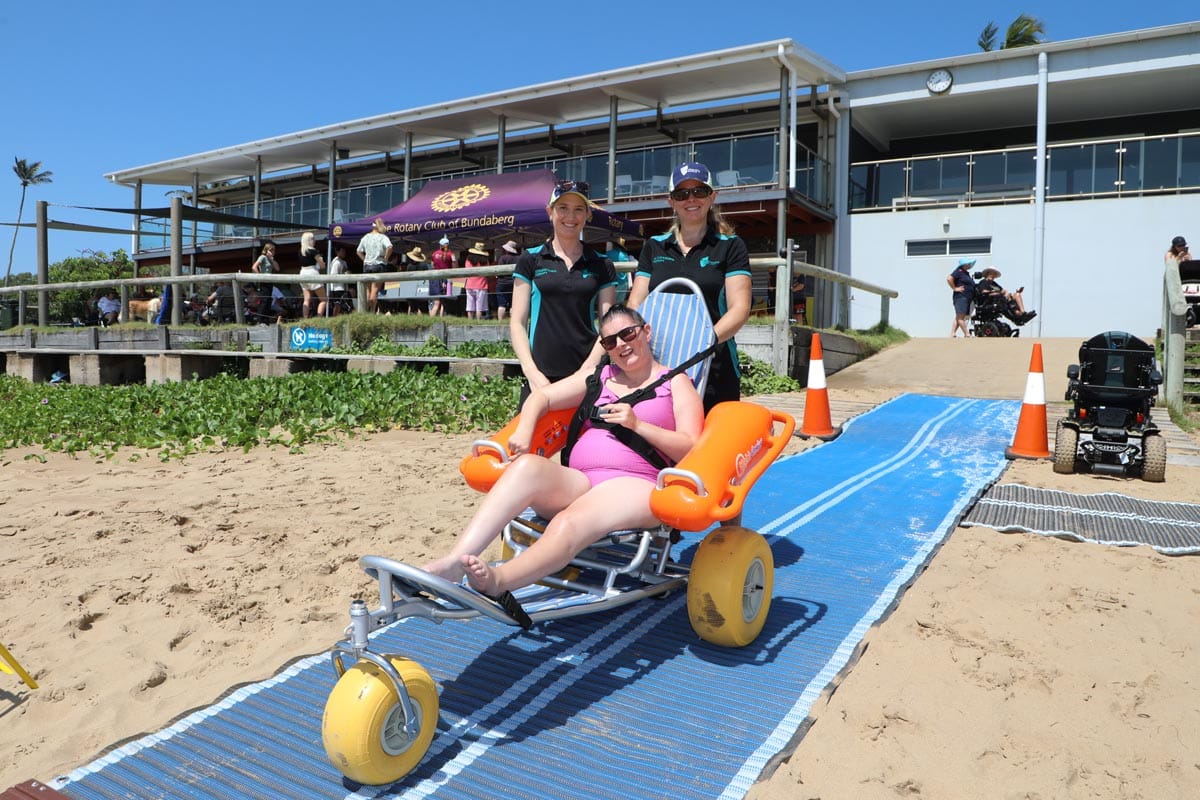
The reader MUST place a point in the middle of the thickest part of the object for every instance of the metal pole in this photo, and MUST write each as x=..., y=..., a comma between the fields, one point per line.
x=137, y=224
x=1039, y=193
x=408, y=139
x=257, y=192
x=841, y=185
x=195, y=223
x=501, y=132
x=43, y=263
x=1174, y=334
x=783, y=128
x=612, y=147
x=177, y=257
x=781, y=329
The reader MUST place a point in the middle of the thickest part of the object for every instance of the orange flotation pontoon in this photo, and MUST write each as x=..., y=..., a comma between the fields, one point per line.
x=710, y=484
x=488, y=458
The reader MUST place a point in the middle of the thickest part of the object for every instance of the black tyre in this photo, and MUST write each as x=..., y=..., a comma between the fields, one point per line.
x=988, y=329
x=1066, y=443
x=1154, y=450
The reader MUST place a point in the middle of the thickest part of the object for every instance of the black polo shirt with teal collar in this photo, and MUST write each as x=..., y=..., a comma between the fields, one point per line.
x=708, y=264
x=562, y=306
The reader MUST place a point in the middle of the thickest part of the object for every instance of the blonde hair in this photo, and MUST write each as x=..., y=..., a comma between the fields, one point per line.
x=379, y=226
x=715, y=220
x=308, y=241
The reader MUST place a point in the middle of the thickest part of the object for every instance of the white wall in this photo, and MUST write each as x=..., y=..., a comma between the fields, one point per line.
x=1102, y=269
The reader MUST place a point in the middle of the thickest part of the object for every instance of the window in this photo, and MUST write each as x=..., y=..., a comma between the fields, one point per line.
x=975, y=246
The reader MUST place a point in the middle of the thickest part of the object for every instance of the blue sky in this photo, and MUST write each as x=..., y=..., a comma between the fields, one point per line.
x=95, y=87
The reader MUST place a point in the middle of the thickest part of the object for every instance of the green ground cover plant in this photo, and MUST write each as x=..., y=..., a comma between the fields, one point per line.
x=178, y=419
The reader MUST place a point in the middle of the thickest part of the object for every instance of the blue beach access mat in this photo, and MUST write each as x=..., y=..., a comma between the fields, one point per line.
x=627, y=703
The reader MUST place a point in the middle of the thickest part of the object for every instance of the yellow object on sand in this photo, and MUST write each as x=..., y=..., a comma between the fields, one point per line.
x=9, y=664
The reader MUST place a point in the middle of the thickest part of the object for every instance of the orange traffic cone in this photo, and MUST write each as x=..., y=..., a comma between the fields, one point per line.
x=1031, y=438
x=816, y=402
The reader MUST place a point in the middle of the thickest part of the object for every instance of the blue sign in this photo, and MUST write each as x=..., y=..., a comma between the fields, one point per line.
x=312, y=338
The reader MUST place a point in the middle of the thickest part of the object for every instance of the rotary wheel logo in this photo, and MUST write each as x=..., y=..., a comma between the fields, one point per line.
x=461, y=197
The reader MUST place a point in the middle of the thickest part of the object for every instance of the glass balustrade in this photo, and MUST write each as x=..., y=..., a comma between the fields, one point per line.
x=737, y=162
x=1108, y=168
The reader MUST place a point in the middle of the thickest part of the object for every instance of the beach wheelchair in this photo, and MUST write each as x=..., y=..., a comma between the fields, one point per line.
x=380, y=718
x=1109, y=429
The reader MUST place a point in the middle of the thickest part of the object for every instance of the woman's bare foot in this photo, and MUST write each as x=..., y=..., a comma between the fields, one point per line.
x=479, y=575
x=445, y=567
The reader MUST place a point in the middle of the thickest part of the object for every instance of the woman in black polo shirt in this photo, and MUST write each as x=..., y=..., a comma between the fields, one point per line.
x=701, y=246
x=560, y=288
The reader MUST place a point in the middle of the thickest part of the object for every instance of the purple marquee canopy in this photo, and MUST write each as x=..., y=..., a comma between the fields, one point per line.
x=481, y=206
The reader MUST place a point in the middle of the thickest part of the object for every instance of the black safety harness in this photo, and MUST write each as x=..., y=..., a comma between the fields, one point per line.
x=634, y=441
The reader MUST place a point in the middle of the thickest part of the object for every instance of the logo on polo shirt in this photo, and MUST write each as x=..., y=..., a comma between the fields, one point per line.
x=543, y=271
x=661, y=259
x=705, y=261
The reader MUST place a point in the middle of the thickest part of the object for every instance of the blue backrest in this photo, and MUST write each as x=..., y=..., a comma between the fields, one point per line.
x=680, y=326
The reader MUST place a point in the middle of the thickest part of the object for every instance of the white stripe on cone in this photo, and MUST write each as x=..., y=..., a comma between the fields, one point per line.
x=816, y=374
x=1035, y=389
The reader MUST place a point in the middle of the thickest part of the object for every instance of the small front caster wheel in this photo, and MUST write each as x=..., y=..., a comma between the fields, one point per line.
x=363, y=728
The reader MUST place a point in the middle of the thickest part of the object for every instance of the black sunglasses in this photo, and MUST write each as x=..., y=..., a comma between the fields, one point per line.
x=625, y=335
x=566, y=187
x=699, y=192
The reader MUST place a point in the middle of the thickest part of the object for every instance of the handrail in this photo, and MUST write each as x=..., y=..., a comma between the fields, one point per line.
x=1174, y=334
x=896, y=174
x=784, y=268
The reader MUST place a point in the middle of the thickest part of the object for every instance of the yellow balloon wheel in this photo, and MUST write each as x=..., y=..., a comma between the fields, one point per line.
x=729, y=589
x=363, y=726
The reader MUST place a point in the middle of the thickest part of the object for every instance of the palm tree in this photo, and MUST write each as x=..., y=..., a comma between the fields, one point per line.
x=1022, y=32
x=28, y=175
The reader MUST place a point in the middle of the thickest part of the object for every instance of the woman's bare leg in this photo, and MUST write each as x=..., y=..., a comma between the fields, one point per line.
x=529, y=481
x=616, y=504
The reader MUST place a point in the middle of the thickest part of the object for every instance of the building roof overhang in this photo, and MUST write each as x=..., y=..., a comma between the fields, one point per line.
x=710, y=77
x=1148, y=71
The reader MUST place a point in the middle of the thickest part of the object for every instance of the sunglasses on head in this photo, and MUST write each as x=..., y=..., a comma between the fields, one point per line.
x=699, y=192
x=566, y=187
x=625, y=335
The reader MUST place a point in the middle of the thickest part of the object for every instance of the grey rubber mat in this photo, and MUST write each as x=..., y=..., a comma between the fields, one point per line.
x=1106, y=518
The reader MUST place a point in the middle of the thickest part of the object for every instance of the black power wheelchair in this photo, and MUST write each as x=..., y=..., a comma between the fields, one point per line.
x=991, y=309
x=1109, y=429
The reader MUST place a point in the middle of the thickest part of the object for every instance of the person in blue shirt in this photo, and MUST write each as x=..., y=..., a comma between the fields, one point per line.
x=963, y=286
x=701, y=246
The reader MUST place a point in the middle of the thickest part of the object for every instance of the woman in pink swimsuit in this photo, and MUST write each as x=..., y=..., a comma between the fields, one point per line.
x=606, y=487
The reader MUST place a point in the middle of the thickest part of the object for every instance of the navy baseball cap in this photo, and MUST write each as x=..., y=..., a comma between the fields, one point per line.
x=691, y=171
x=581, y=189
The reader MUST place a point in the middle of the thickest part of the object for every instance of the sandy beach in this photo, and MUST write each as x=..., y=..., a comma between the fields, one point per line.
x=1015, y=667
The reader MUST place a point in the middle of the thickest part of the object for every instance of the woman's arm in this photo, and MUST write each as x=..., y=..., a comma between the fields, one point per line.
x=567, y=393
x=518, y=334
x=641, y=288
x=737, y=311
